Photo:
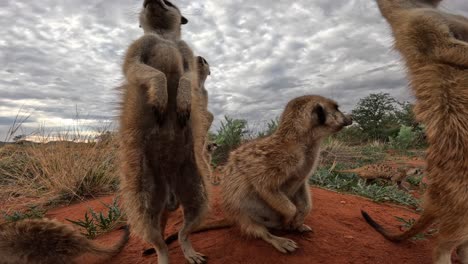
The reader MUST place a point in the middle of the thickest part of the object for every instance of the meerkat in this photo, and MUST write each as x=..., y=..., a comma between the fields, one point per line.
x=384, y=171
x=158, y=131
x=201, y=96
x=45, y=241
x=434, y=46
x=265, y=180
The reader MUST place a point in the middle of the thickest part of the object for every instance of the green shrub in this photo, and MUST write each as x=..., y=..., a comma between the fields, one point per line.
x=228, y=137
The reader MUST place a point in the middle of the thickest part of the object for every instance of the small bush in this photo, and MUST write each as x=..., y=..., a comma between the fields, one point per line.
x=405, y=138
x=229, y=136
x=98, y=223
x=270, y=129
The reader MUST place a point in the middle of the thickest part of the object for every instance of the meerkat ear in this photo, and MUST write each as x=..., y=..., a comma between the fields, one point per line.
x=183, y=20
x=320, y=112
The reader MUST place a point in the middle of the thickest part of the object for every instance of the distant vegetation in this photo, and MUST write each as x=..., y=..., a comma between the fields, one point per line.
x=68, y=169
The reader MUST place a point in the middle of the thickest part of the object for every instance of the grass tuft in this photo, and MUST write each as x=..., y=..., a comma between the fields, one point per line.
x=95, y=223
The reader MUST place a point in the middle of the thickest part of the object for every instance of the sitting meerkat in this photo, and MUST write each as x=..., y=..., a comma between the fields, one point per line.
x=265, y=181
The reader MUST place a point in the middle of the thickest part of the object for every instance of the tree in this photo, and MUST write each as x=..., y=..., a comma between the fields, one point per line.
x=376, y=116
x=405, y=115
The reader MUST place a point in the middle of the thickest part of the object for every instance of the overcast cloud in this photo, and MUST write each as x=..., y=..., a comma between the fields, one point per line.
x=61, y=58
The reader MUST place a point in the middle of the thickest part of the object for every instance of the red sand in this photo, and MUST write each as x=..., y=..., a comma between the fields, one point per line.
x=340, y=236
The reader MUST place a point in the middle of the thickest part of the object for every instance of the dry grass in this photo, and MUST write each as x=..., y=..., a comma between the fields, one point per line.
x=59, y=170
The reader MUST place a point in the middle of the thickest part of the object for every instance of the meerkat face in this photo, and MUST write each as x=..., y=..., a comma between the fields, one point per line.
x=211, y=147
x=327, y=119
x=313, y=116
x=203, y=67
x=161, y=15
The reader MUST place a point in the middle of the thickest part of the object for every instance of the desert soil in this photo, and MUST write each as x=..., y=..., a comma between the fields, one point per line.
x=340, y=236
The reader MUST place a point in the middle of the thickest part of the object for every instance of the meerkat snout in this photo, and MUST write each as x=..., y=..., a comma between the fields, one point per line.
x=348, y=120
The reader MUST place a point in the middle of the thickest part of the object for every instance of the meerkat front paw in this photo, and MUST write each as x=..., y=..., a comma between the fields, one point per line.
x=184, y=100
x=157, y=96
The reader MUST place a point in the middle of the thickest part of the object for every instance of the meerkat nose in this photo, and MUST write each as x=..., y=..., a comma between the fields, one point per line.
x=163, y=5
x=348, y=120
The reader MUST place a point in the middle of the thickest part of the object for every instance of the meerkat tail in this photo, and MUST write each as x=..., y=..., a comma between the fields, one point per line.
x=420, y=225
x=114, y=250
x=220, y=224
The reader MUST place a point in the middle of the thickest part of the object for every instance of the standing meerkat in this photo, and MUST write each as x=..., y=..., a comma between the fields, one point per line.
x=44, y=241
x=434, y=45
x=265, y=181
x=201, y=96
x=158, y=163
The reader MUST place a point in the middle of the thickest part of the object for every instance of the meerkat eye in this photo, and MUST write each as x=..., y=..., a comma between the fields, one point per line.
x=320, y=112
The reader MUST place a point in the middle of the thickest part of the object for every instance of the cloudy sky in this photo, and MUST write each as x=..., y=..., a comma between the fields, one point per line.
x=61, y=59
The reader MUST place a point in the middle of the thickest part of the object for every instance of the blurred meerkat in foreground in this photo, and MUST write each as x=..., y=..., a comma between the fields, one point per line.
x=44, y=241
x=158, y=131
x=434, y=45
x=265, y=181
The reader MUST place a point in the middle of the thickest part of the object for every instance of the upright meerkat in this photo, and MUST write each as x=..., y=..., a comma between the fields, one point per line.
x=201, y=96
x=44, y=241
x=265, y=181
x=434, y=45
x=158, y=162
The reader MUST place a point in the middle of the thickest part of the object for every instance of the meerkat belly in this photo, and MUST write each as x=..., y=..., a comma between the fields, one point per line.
x=166, y=57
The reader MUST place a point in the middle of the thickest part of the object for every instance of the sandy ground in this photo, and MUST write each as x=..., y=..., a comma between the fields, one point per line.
x=340, y=236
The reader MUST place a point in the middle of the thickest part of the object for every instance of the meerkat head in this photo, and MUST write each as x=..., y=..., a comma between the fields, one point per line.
x=313, y=117
x=203, y=69
x=161, y=16
x=211, y=147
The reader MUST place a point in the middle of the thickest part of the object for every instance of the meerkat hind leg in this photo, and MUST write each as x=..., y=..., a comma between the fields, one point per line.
x=195, y=207
x=156, y=238
x=282, y=244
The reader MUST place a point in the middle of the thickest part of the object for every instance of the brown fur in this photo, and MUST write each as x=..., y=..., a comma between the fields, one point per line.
x=158, y=130
x=282, y=161
x=434, y=45
x=201, y=96
x=265, y=181
x=43, y=241
x=384, y=171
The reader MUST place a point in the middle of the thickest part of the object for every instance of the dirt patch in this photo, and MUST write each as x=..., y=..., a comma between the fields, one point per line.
x=340, y=236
